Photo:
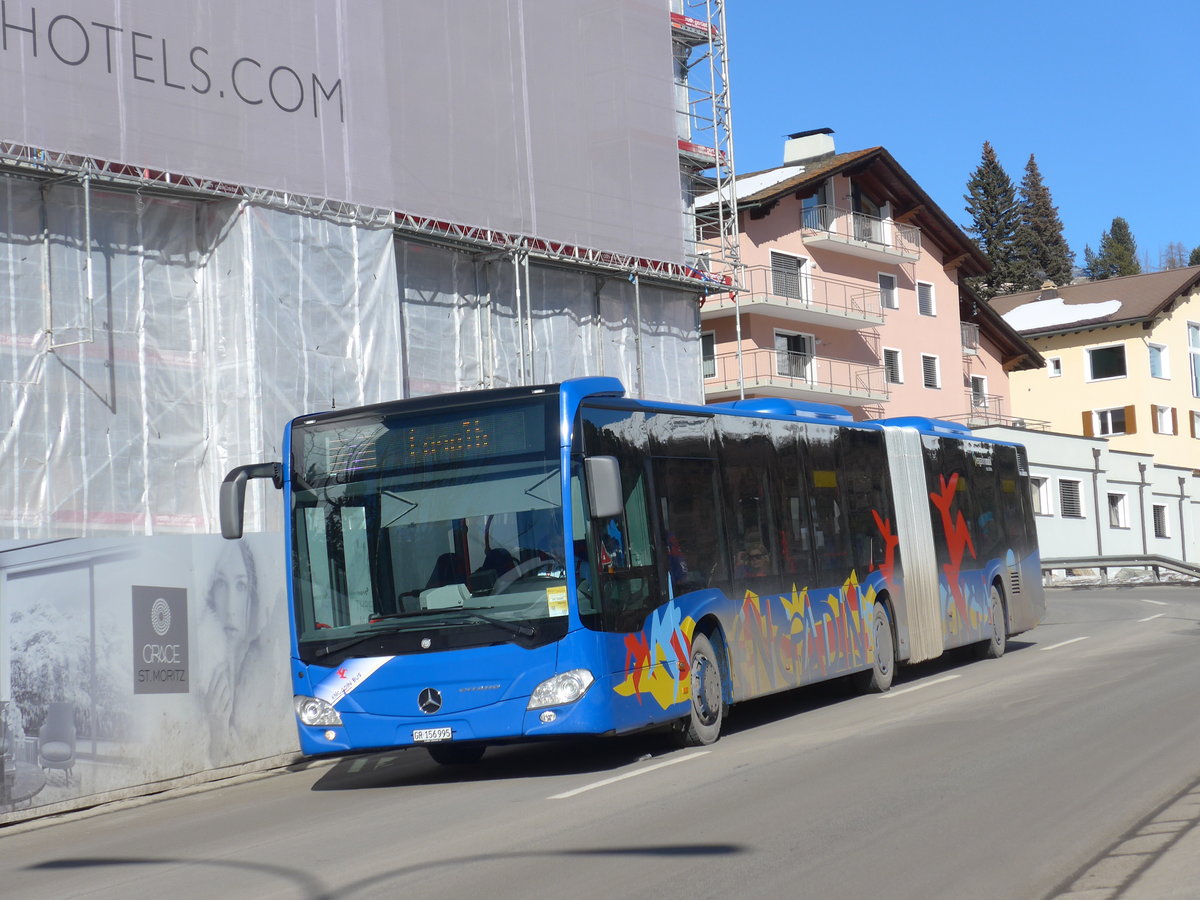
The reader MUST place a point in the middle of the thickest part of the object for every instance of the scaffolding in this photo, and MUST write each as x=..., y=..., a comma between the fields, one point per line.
x=705, y=136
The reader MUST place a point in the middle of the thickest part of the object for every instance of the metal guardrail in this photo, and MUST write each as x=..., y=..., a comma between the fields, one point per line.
x=763, y=368
x=855, y=226
x=1153, y=562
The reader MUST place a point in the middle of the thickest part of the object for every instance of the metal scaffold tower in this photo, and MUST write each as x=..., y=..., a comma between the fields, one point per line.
x=706, y=137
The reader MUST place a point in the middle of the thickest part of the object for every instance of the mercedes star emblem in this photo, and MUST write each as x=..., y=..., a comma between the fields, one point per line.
x=430, y=700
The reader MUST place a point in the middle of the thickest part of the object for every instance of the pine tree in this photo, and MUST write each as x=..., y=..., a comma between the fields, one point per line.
x=1049, y=255
x=992, y=205
x=1117, y=255
x=1194, y=259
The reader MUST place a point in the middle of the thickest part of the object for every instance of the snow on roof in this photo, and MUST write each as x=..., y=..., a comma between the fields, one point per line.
x=752, y=184
x=1050, y=313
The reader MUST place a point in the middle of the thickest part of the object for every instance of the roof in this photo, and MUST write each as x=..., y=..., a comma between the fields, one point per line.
x=1096, y=304
x=1016, y=353
x=909, y=200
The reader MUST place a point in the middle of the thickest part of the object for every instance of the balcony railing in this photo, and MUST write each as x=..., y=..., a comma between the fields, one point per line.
x=970, y=338
x=795, y=375
x=803, y=297
x=864, y=235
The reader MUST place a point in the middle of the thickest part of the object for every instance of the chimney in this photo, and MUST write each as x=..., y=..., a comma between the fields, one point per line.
x=808, y=146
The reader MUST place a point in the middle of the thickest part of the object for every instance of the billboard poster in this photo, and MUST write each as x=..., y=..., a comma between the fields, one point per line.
x=133, y=661
x=548, y=118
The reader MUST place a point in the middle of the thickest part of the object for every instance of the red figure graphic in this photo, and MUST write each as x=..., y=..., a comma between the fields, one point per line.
x=891, y=541
x=958, y=539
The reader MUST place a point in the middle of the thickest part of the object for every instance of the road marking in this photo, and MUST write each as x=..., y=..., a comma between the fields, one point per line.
x=607, y=781
x=1152, y=618
x=917, y=687
x=1064, y=643
x=1155, y=602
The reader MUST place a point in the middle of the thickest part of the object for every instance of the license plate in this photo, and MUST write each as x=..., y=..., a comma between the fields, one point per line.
x=429, y=735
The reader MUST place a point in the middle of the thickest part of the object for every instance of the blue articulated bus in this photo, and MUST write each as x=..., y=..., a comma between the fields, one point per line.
x=538, y=562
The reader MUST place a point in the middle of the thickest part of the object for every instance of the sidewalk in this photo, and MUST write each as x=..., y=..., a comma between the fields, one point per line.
x=1159, y=859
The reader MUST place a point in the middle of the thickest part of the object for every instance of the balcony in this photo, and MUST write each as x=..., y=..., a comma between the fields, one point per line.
x=868, y=237
x=794, y=376
x=797, y=297
x=987, y=409
x=970, y=338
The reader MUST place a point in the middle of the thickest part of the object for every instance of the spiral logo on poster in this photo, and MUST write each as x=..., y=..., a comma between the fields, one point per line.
x=160, y=616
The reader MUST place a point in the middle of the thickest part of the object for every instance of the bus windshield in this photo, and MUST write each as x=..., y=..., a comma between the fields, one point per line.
x=442, y=519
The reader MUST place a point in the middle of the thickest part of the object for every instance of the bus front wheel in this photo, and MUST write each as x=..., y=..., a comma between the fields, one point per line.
x=703, y=725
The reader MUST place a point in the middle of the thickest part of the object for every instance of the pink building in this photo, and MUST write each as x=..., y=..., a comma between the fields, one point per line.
x=852, y=295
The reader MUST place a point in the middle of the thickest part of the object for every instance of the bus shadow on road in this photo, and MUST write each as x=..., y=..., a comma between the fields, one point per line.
x=413, y=766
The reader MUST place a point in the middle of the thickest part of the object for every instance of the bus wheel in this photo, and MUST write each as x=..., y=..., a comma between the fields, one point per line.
x=456, y=754
x=708, y=703
x=993, y=647
x=878, y=678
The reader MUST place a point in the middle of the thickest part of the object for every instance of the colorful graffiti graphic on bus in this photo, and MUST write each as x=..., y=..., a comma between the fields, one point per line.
x=657, y=659
x=964, y=594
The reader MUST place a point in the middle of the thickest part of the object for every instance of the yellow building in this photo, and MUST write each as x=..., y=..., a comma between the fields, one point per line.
x=1122, y=361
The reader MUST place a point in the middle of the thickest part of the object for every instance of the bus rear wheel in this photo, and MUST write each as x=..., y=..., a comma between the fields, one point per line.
x=878, y=678
x=994, y=646
x=703, y=725
x=456, y=754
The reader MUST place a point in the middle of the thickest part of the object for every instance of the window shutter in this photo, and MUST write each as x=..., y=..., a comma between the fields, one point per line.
x=1192, y=419
x=1154, y=419
x=1130, y=421
x=1088, y=431
x=1068, y=499
x=1174, y=420
x=785, y=276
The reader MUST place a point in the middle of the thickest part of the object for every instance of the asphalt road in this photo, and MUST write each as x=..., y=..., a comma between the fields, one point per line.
x=1007, y=778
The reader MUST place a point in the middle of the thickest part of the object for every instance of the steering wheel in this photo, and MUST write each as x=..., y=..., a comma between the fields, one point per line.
x=524, y=568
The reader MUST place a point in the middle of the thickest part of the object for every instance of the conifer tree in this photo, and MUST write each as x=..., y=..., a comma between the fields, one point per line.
x=1047, y=255
x=1117, y=255
x=1194, y=259
x=992, y=205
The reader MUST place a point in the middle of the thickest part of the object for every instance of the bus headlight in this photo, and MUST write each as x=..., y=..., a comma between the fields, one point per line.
x=566, y=687
x=315, y=711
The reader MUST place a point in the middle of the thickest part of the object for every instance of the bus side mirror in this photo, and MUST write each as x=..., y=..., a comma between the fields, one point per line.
x=604, y=486
x=233, y=494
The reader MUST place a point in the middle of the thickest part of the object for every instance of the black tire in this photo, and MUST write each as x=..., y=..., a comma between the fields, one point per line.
x=703, y=725
x=456, y=754
x=878, y=678
x=994, y=646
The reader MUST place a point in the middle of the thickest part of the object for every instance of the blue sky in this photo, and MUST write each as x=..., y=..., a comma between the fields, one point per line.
x=1105, y=95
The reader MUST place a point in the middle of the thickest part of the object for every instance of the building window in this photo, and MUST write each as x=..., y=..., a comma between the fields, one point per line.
x=1161, y=530
x=887, y=291
x=929, y=371
x=708, y=354
x=891, y=366
x=925, y=305
x=1039, y=493
x=1106, y=422
x=787, y=275
x=1195, y=424
x=1158, y=361
x=1106, y=362
x=794, y=353
x=1069, y=499
x=979, y=397
x=1118, y=516
x=1194, y=356
x=1054, y=366
x=1165, y=421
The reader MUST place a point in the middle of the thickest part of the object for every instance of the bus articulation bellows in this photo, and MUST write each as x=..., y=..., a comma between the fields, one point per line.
x=538, y=562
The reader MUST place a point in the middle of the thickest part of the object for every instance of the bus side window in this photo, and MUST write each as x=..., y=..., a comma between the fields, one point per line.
x=691, y=529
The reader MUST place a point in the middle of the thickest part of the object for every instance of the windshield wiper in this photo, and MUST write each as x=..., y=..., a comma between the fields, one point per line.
x=331, y=649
